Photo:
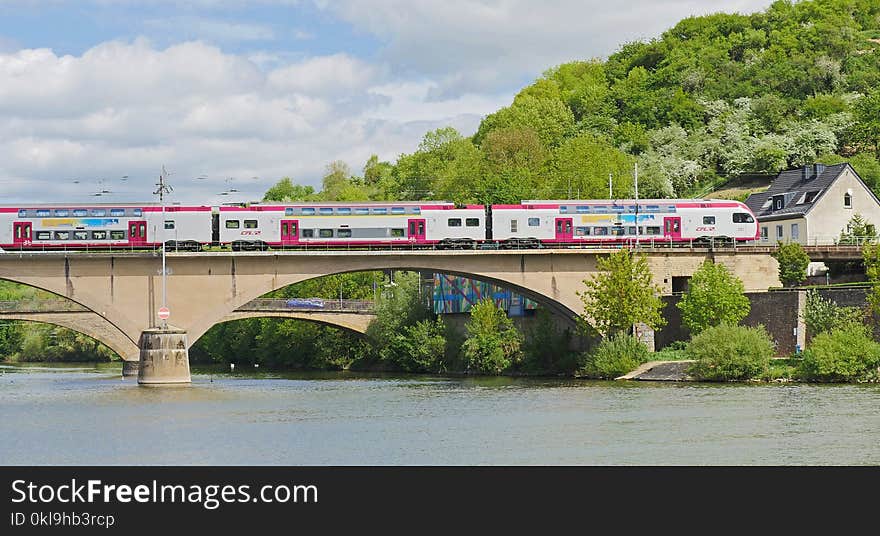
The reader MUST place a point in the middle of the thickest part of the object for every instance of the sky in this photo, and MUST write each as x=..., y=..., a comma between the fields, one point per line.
x=229, y=96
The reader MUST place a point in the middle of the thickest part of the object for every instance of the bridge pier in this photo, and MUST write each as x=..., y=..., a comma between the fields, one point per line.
x=164, y=358
x=130, y=368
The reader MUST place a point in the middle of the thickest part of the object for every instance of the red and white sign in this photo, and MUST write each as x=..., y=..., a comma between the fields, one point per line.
x=164, y=313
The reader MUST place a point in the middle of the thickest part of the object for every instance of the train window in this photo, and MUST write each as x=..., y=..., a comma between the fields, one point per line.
x=708, y=220
x=398, y=210
x=288, y=211
x=618, y=208
x=62, y=235
x=513, y=225
x=250, y=224
x=380, y=210
x=61, y=213
x=652, y=208
x=472, y=222
x=138, y=212
x=117, y=212
x=43, y=213
x=22, y=213
x=80, y=212
x=617, y=231
x=326, y=211
x=652, y=230
x=117, y=235
x=453, y=222
x=534, y=222
x=600, y=210
x=325, y=233
x=582, y=231
x=631, y=230
x=742, y=217
x=99, y=212
x=343, y=233
x=308, y=211
x=563, y=209
x=600, y=231
x=397, y=233
x=363, y=210
x=417, y=210
x=308, y=233
x=80, y=235
x=344, y=211
x=169, y=224
x=582, y=209
x=99, y=235
x=232, y=224
x=43, y=235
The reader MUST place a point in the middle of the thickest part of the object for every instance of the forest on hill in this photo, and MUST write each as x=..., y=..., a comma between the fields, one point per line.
x=714, y=98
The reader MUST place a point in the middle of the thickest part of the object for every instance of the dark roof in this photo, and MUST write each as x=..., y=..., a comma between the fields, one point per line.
x=799, y=188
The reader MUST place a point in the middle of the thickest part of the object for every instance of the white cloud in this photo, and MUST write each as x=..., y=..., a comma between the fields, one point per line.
x=213, y=30
x=487, y=45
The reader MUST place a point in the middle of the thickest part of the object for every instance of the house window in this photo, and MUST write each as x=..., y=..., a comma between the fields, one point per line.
x=513, y=224
x=453, y=222
x=777, y=203
x=232, y=224
x=847, y=200
x=795, y=233
x=779, y=232
x=764, y=234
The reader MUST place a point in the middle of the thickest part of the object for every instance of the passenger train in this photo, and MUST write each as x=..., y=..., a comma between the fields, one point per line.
x=442, y=225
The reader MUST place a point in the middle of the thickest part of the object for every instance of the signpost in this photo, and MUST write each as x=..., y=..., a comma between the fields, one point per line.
x=163, y=313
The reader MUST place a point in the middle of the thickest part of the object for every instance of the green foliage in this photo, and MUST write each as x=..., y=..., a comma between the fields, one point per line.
x=285, y=190
x=858, y=231
x=622, y=294
x=424, y=347
x=823, y=315
x=866, y=112
x=871, y=261
x=845, y=353
x=615, y=356
x=714, y=296
x=726, y=352
x=793, y=262
x=546, y=347
x=493, y=343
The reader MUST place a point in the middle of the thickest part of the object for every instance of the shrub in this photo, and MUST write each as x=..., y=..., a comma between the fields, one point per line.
x=793, y=262
x=822, y=315
x=425, y=347
x=843, y=354
x=714, y=296
x=493, y=343
x=729, y=352
x=615, y=356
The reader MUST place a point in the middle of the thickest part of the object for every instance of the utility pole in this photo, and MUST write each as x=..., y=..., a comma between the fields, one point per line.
x=162, y=189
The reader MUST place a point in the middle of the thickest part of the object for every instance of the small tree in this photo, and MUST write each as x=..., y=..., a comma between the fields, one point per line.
x=622, y=294
x=714, y=296
x=858, y=231
x=493, y=342
x=822, y=315
x=793, y=262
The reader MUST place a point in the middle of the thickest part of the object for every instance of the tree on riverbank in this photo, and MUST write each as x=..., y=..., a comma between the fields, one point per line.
x=793, y=262
x=725, y=352
x=714, y=296
x=493, y=343
x=622, y=294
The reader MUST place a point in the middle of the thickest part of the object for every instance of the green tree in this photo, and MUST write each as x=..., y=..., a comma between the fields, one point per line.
x=714, y=296
x=622, y=294
x=866, y=112
x=286, y=190
x=871, y=260
x=823, y=315
x=858, y=231
x=726, y=352
x=793, y=262
x=493, y=343
x=845, y=353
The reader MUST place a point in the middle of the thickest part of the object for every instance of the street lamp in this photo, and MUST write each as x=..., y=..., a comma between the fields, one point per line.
x=162, y=189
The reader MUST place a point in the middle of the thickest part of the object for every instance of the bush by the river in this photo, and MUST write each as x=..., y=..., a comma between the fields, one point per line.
x=729, y=352
x=615, y=356
x=843, y=354
x=493, y=343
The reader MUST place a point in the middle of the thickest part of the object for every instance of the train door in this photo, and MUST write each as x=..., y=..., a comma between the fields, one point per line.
x=137, y=232
x=564, y=231
x=289, y=232
x=672, y=228
x=22, y=233
x=416, y=230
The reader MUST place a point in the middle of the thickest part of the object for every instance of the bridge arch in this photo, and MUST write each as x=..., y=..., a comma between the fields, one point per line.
x=85, y=323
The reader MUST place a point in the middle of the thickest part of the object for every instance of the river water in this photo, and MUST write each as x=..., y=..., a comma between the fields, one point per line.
x=90, y=415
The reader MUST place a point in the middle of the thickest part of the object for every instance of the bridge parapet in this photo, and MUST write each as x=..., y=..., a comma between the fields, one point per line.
x=42, y=306
x=319, y=305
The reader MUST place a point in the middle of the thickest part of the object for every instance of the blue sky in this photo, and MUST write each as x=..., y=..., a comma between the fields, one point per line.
x=246, y=92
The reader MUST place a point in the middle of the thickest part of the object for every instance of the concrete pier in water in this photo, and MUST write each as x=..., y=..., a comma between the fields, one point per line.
x=164, y=358
x=130, y=368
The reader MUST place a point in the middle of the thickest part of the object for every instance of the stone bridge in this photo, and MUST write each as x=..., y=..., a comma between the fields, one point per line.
x=125, y=289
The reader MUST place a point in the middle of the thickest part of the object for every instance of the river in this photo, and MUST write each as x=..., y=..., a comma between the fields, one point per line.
x=90, y=415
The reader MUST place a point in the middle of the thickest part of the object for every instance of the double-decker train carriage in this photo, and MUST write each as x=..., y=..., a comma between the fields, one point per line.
x=103, y=226
x=536, y=223
x=417, y=224
x=442, y=225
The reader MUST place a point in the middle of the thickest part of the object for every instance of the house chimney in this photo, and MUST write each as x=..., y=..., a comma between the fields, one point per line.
x=818, y=169
x=805, y=173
